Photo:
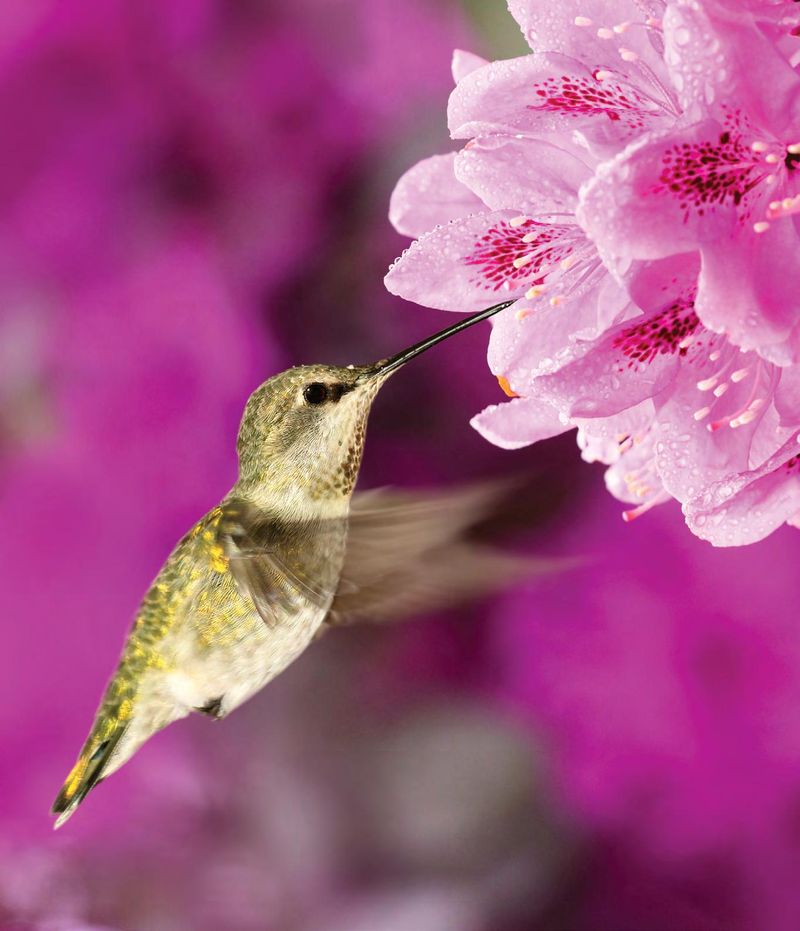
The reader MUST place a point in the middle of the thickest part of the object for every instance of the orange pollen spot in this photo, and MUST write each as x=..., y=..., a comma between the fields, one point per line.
x=503, y=382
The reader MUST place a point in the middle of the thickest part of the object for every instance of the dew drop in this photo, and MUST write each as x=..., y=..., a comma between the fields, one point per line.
x=682, y=36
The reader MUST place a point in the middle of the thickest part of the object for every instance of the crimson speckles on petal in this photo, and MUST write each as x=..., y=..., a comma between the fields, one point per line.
x=669, y=331
x=714, y=172
x=508, y=255
x=597, y=96
x=724, y=171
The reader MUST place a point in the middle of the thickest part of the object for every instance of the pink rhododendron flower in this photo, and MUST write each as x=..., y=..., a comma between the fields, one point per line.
x=722, y=182
x=634, y=186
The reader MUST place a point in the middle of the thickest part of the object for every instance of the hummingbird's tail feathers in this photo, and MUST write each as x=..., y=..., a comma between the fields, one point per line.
x=86, y=774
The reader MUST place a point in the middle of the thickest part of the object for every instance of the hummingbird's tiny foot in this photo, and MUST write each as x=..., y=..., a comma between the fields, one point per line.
x=213, y=708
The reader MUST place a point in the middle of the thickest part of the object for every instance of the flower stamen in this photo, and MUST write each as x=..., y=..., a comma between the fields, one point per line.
x=631, y=514
x=787, y=207
x=748, y=411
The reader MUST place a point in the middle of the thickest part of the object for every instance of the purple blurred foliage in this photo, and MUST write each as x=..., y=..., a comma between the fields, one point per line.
x=665, y=681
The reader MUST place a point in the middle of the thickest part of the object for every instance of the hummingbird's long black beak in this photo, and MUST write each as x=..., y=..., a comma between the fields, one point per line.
x=386, y=366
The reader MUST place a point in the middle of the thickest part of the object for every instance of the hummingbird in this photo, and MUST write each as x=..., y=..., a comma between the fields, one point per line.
x=289, y=552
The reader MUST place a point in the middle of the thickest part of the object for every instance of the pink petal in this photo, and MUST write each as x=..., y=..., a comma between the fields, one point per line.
x=528, y=175
x=465, y=63
x=696, y=443
x=787, y=396
x=526, y=344
x=553, y=93
x=700, y=188
x=653, y=284
x=481, y=260
x=429, y=195
x=640, y=356
x=779, y=19
x=651, y=200
x=748, y=507
x=635, y=360
x=719, y=60
x=600, y=438
x=551, y=27
x=769, y=435
x=518, y=422
x=748, y=289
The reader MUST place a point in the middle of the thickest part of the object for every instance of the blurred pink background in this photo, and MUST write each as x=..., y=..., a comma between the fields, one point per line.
x=193, y=195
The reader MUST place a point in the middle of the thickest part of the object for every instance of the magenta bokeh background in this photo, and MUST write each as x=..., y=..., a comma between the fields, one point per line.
x=193, y=196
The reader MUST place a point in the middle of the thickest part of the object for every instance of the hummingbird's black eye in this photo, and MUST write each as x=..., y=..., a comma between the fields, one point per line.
x=315, y=393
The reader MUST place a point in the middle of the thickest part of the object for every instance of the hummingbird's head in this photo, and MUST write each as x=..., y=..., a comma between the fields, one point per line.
x=302, y=433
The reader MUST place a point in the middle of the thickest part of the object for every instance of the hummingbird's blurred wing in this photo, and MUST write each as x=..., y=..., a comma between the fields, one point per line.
x=277, y=563
x=409, y=552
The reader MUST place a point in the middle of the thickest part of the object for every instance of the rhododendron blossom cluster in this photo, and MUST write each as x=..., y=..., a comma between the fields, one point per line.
x=633, y=185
